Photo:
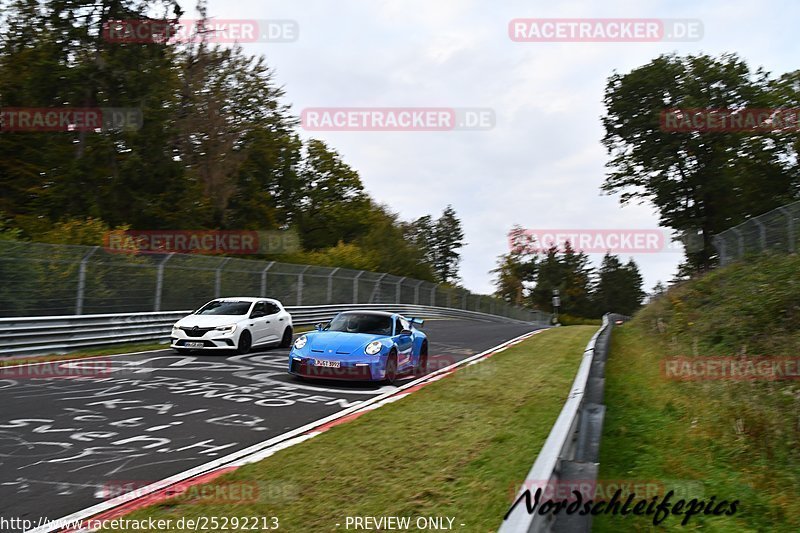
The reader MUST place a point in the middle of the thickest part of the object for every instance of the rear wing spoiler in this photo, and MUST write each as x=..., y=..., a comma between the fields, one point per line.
x=417, y=321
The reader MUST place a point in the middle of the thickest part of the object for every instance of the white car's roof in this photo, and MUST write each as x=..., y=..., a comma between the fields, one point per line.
x=244, y=299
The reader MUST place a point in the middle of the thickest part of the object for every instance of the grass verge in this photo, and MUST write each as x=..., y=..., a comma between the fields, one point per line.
x=459, y=447
x=730, y=439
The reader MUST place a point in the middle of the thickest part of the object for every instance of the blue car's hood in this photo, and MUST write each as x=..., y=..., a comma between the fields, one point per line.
x=341, y=343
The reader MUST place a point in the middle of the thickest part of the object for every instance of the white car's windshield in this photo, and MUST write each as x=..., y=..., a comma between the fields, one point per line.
x=224, y=308
x=361, y=323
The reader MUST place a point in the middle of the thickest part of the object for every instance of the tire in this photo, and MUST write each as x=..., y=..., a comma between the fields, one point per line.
x=390, y=376
x=422, y=363
x=286, y=340
x=245, y=343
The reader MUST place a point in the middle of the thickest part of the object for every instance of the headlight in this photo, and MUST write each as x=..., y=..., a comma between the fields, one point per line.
x=175, y=328
x=226, y=329
x=373, y=348
x=300, y=342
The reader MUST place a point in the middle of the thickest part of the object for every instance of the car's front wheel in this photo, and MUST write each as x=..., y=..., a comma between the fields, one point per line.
x=245, y=343
x=286, y=340
x=390, y=376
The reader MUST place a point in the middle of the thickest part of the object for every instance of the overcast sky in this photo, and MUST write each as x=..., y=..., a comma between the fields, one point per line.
x=542, y=164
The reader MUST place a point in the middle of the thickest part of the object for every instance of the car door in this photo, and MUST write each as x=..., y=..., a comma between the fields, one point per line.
x=277, y=322
x=259, y=323
x=404, y=343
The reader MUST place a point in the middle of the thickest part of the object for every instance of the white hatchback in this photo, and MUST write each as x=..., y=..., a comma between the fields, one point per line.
x=235, y=324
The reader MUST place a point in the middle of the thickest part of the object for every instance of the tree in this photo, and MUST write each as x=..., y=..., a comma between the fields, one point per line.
x=513, y=271
x=699, y=182
x=568, y=272
x=619, y=287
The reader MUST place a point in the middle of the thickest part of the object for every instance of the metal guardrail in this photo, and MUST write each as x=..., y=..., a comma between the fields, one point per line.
x=571, y=450
x=59, y=334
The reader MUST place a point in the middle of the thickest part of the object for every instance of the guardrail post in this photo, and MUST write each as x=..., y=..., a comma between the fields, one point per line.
x=160, y=282
x=82, y=280
x=264, y=279
x=218, y=277
x=300, y=282
x=789, y=228
x=397, y=290
x=355, y=287
x=330, y=284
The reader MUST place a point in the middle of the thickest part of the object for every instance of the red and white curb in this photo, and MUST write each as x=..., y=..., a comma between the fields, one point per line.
x=164, y=489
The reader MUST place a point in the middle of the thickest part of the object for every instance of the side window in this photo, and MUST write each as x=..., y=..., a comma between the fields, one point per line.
x=271, y=308
x=259, y=309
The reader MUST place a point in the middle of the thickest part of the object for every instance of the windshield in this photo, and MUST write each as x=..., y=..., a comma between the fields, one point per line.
x=361, y=323
x=224, y=308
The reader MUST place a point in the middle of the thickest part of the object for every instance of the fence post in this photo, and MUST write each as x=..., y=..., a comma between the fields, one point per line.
x=330, y=284
x=416, y=293
x=218, y=277
x=762, y=233
x=264, y=279
x=466, y=298
x=355, y=286
x=160, y=282
x=397, y=290
x=82, y=280
x=300, y=282
x=433, y=295
x=789, y=227
x=450, y=299
x=741, y=242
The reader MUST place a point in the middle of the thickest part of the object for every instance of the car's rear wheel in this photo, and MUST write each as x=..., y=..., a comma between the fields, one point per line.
x=286, y=340
x=245, y=343
x=422, y=363
x=390, y=376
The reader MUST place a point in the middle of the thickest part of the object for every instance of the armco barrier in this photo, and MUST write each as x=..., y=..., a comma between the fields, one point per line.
x=58, y=334
x=572, y=447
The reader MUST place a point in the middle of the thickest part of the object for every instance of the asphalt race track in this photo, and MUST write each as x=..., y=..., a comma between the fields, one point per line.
x=69, y=443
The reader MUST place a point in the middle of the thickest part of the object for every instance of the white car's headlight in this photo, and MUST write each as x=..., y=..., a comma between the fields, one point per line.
x=226, y=329
x=373, y=348
x=175, y=329
x=300, y=342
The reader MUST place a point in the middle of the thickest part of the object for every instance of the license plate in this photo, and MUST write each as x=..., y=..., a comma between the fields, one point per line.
x=193, y=344
x=330, y=364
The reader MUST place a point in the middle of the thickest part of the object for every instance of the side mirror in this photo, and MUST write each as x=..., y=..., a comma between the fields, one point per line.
x=320, y=326
x=405, y=332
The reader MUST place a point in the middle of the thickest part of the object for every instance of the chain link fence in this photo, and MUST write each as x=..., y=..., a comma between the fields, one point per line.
x=777, y=230
x=47, y=279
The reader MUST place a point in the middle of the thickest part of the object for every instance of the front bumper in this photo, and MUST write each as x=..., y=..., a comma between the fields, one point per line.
x=349, y=370
x=212, y=340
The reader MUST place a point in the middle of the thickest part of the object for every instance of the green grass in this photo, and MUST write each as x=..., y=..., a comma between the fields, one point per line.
x=739, y=439
x=459, y=447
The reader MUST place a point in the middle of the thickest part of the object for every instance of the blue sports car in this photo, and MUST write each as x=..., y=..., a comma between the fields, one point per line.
x=361, y=345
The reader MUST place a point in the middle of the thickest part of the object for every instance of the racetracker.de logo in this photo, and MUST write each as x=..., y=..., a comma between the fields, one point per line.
x=723, y=120
x=752, y=368
x=58, y=369
x=536, y=241
x=235, y=242
x=50, y=119
x=155, y=31
x=586, y=30
x=206, y=493
x=397, y=119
